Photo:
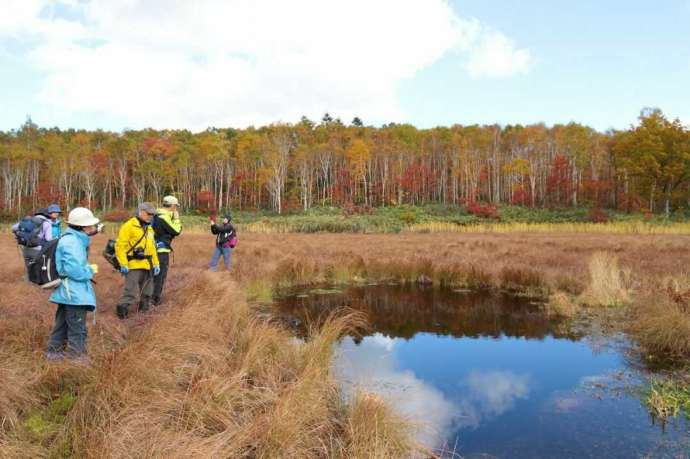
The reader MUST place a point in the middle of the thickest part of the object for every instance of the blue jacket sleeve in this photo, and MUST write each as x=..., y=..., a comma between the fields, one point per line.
x=71, y=263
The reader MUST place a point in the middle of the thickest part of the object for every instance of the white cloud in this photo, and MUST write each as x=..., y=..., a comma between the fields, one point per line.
x=497, y=56
x=237, y=62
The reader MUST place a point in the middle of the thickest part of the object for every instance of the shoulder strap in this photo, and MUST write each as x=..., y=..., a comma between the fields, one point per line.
x=137, y=243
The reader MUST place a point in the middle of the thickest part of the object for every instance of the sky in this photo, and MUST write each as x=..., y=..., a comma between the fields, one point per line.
x=179, y=64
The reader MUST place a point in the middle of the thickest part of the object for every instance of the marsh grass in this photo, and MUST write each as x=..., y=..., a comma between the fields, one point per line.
x=562, y=304
x=609, y=284
x=204, y=376
x=660, y=319
x=668, y=398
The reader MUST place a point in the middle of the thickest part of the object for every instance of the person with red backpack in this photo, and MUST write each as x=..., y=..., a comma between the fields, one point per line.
x=226, y=239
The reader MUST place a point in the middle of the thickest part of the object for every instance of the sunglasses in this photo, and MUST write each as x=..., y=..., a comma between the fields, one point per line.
x=150, y=214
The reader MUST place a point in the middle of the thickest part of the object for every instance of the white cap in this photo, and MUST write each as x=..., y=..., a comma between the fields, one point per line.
x=171, y=201
x=81, y=216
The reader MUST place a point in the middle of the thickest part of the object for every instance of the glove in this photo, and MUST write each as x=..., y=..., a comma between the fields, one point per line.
x=94, y=268
x=156, y=270
x=124, y=270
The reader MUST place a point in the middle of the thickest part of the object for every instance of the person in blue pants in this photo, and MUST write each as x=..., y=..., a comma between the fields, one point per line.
x=226, y=237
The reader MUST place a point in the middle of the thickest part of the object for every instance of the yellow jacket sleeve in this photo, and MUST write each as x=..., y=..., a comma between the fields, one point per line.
x=122, y=243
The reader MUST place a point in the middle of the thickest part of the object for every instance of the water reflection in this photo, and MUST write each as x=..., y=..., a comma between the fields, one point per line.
x=371, y=365
x=491, y=376
x=401, y=311
x=487, y=394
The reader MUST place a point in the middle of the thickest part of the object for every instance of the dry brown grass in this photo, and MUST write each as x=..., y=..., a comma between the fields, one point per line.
x=204, y=376
x=609, y=285
x=661, y=318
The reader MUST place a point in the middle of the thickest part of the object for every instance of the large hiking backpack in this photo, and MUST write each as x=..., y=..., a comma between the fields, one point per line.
x=42, y=269
x=28, y=232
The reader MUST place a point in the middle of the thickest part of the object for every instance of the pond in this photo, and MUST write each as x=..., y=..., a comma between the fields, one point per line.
x=489, y=375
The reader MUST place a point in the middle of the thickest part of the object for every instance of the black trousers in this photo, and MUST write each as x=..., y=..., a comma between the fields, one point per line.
x=159, y=280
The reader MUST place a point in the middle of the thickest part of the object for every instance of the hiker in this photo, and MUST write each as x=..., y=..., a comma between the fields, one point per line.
x=31, y=233
x=54, y=213
x=167, y=226
x=135, y=250
x=74, y=296
x=226, y=238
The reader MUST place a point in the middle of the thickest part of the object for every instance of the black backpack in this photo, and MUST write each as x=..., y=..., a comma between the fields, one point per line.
x=109, y=252
x=42, y=269
x=28, y=232
x=109, y=255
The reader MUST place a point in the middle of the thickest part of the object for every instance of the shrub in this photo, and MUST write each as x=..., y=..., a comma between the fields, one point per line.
x=118, y=215
x=483, y=210
x=597, y=215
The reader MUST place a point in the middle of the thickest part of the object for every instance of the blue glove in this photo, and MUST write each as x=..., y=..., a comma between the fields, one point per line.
x=124, y=270
x=156, y=270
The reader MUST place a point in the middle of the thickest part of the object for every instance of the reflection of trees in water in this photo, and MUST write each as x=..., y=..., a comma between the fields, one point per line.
x=403, y=311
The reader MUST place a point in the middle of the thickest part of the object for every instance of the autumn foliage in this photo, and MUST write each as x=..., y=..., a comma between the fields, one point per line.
x=289, y=167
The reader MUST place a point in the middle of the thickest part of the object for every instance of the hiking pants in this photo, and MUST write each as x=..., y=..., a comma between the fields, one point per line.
x=69, y=327
x=138, y=283
x=227, y=257
x=159, y=280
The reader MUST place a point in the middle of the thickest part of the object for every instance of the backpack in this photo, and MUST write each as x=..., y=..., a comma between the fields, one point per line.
x=29, y=231
x=109, y=255
x=109, y=252
x=42, y=268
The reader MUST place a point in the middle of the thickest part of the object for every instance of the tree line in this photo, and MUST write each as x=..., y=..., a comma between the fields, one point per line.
x=330, y=163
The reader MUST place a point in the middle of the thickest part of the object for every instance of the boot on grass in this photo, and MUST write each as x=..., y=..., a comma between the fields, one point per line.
x=122, y=311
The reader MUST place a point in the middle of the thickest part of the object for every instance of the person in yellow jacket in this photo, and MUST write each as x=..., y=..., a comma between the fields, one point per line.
x=167, y=226
x=135, y=250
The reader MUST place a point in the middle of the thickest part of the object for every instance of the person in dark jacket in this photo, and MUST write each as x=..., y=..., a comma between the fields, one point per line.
x=226, y=237
x=167, y=226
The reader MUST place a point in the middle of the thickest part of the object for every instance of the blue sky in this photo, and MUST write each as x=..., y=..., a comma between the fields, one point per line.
x=596, y=62
x=114, y=65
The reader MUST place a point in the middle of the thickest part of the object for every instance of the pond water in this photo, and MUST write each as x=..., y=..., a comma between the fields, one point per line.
x=491, y=376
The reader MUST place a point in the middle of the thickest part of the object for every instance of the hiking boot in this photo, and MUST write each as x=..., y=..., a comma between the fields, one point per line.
x=122, y=312
x=82, y=360
x=144, y=305
x=55, y=356
x=155, y=301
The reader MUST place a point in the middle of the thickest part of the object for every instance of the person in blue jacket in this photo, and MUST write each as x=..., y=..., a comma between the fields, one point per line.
x=74, y=296
x=54, y=213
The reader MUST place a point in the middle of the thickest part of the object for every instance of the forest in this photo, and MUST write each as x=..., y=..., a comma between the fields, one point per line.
x=291, y=167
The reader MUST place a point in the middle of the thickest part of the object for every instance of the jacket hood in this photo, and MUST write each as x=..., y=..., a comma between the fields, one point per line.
x=81, y=236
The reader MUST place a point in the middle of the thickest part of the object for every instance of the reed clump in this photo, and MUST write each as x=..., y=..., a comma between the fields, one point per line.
x=609, y=284
x=660, y=319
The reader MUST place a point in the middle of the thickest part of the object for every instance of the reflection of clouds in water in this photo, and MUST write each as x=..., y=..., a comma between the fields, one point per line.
x=487, y=394
x=372, y=366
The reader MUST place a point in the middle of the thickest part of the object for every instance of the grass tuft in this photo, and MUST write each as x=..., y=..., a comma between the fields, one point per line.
x=609, y=285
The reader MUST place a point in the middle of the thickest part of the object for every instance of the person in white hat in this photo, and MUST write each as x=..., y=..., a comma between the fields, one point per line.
x=167, y=226
x=74, y=296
